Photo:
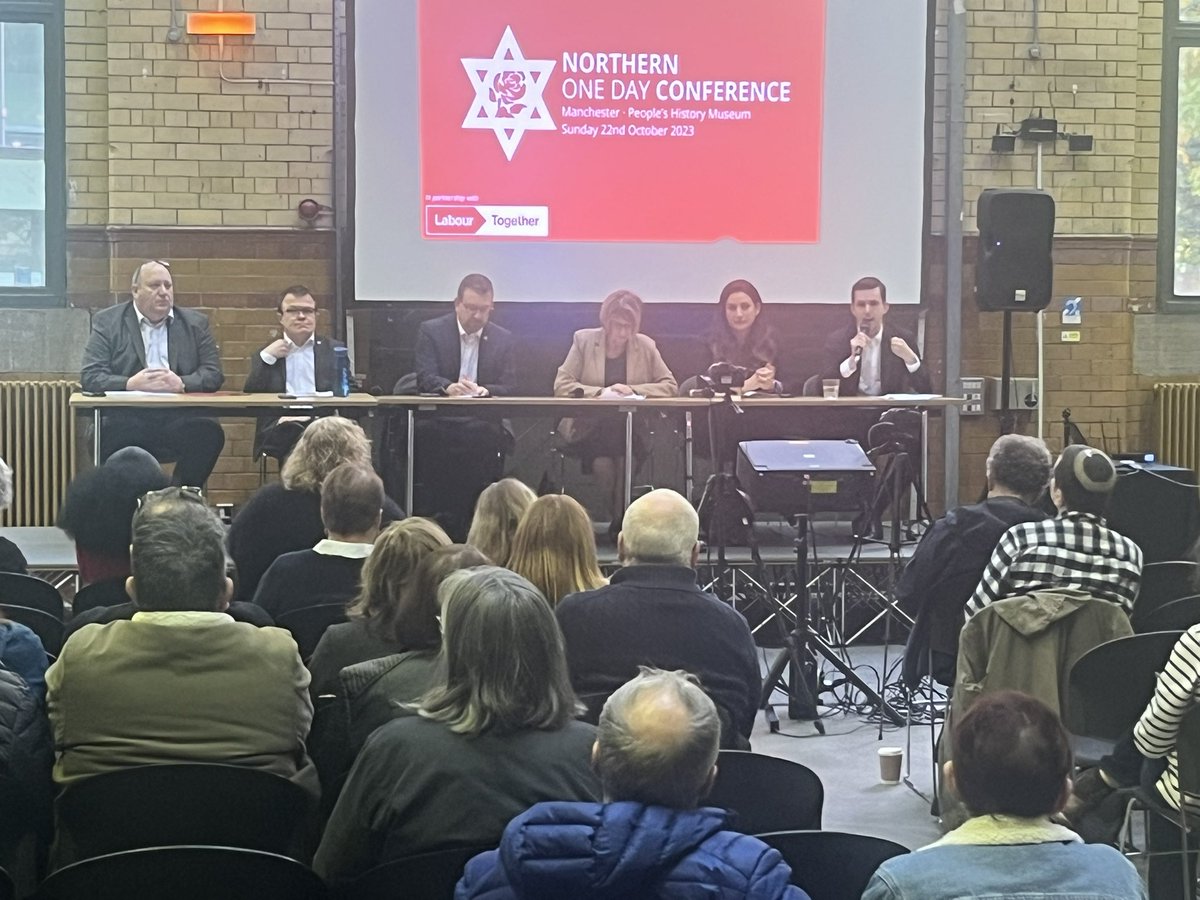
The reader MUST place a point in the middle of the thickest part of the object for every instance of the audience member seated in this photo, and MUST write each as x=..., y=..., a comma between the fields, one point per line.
x=387, y=577
x=351, y=504
x=1148, y=757
x=98, y=512
x=654, y=613
x=1072, y=550
x=22, y=653
x=555, y=548
x=383, y=689
x=948, y=563
x=497, y=737
x=181, y=681
x=286, y=516
x=655, y=754
x=26, y=758
x=498, y=511
x=614, y=360
x=11, y=557
x=1012, y=768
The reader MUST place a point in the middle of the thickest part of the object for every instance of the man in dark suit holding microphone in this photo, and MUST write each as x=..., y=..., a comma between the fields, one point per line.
x=463, y=354
x=870, y=357
x=148, y=344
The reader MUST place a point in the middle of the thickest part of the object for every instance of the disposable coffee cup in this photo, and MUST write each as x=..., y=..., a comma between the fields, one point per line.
x=829, y=388
x=890, y=760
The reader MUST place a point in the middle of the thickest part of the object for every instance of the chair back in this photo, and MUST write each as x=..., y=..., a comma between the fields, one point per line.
x=1187, y=752
x=766, y=793
x=25, y=590
x=1161, y=583
x=1110, y=686
x=99, y=593
x=7, y=890
x=308, y=623
x=1158, y=513
x=1178, y=615
x=47, y=627
x=185, y=873
x=812, y=386
x=180, y=803
x=832, y=865
x=426, y=876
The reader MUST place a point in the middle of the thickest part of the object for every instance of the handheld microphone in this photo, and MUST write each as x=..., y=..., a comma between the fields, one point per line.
x=862, y=329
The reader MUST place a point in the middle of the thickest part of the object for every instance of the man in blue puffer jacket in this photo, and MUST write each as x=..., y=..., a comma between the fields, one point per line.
x=655, y=753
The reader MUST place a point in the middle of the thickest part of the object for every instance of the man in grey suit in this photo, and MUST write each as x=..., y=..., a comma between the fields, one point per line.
x=148, y=344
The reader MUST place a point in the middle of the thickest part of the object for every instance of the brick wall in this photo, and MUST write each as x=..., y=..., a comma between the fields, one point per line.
x=160, y=148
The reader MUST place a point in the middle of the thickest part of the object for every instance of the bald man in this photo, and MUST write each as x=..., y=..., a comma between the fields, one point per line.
x=655, y=753
x=653, y=613
x=148, y=344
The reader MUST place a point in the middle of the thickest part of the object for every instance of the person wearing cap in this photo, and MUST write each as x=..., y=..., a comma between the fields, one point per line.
x=1074, y=549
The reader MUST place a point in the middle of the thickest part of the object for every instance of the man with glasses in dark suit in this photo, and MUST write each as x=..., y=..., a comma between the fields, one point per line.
x=148, y=344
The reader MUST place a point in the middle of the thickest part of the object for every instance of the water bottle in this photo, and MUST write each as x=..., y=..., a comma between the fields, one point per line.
x=341, y=372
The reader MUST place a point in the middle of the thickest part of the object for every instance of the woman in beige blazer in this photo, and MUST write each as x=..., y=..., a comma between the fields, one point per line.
x=612, y=360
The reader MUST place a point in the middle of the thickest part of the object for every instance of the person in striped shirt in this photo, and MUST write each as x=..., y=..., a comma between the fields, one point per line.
x=1074, y=549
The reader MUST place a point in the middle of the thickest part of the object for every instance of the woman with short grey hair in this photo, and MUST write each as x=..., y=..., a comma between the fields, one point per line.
x=496, y=734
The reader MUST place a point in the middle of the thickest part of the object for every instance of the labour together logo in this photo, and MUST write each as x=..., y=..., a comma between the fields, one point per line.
x=508, y=94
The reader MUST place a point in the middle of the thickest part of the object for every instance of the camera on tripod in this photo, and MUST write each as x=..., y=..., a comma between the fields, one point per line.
x=723, y=377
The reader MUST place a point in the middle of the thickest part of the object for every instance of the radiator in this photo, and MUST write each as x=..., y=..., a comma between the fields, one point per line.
x=1178, y=415
x=37, y=440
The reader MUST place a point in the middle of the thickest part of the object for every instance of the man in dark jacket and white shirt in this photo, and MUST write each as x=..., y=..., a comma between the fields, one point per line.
x=655, y=753
x=653, y=613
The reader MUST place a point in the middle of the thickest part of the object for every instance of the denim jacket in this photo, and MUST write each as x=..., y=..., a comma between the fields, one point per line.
x=1003, y=858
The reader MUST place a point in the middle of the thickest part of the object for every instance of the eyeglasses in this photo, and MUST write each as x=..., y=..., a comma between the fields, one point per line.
x=182, y=492
x=301, y=312
x=477, y=310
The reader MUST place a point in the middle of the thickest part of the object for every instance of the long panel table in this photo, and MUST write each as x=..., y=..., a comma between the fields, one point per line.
x=240, y=404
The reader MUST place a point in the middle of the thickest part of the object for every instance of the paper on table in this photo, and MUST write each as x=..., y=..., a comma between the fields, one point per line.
x=610, y=394
x=140, y=394
x=314, y=394
x=911, y=396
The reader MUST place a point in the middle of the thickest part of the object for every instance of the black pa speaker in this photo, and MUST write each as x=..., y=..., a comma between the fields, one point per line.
x=1014, y=270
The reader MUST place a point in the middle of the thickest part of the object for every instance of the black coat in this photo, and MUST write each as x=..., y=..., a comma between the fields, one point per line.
x=272, y=379
x=894, y=376
x=26, y=758
x=439, y=354
x=115, y=350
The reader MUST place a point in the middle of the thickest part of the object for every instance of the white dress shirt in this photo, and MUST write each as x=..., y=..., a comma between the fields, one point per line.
x=154, y=340
x=301, y=368
x=468, y=366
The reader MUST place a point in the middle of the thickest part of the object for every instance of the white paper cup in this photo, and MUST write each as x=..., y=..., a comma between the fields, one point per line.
x=890, y=761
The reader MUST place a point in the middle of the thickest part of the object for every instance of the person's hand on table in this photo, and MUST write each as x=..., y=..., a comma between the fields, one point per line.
x=162, y=381
x=621, y=390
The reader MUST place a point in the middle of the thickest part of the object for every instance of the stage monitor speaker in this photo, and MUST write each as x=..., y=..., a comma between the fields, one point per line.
x=1014, y=269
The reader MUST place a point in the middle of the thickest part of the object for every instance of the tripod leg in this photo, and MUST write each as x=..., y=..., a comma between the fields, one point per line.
x=853, y=678
x=802, y=700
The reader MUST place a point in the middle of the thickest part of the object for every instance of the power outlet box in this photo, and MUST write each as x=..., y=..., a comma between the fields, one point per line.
x=972, y=394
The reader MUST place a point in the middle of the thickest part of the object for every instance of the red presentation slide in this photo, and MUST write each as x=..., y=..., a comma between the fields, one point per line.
x=628, y=120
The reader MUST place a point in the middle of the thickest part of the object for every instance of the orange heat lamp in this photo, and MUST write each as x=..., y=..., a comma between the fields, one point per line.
x=221, y=23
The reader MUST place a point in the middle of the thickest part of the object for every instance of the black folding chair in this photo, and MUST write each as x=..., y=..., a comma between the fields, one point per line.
x=1160, y=584
x=766, y=793
x=1109, y=688
x=47, y=627
x=832, y=865
x=25, y=590
x=308, y=623
x=7, y=890
x=426, y=876
x=1178, y=615
x=181, y=804
x=100, y=593
x=185, y=873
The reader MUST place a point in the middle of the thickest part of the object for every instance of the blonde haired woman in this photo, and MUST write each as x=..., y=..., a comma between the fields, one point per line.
x=286, y=516
x=497, y=513
x=555, y=548
x=388, y=575
x=614, y=360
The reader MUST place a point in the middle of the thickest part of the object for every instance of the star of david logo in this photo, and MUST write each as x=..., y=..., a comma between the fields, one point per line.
x=508, y=94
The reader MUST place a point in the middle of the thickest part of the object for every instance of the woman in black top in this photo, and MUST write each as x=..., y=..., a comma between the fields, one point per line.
x=740, y=335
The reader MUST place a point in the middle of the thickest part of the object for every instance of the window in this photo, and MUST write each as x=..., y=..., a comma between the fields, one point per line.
x=32, y=154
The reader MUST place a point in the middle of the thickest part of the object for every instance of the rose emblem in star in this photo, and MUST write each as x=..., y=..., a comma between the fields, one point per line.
x=507, y=89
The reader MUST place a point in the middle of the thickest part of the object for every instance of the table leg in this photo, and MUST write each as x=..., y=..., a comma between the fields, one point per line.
x=917, y=513
x=411, y=443
x=628, y=457
x=689, y=475
x=96, y=436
